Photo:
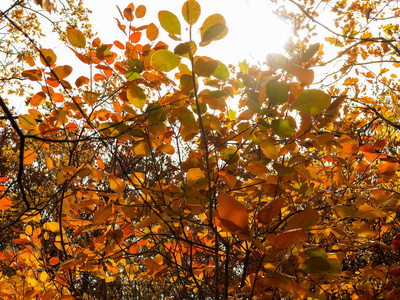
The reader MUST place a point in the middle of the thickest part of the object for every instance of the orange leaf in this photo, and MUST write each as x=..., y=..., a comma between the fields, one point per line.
x=229, y=179
x=289, y=285
x=29, y=157
x=194, y=175
x=49, y=163
x=119, y=45
x=21, y=241
x=140, y=11
x=289, y=238
x=232, y=214
x=135, y=37
x=103, y=214
x=116, y=184
x=57, y=97
x=128, y=12
x=38, y=99
x=5, y=203
x=304, y=219
x=100, y=162
x=388, y=168
x=62, y=71
x=27, y=122
x=54, y=260
x=81, y=81
x=48, y=57
x=33, y=75
x=269, y=211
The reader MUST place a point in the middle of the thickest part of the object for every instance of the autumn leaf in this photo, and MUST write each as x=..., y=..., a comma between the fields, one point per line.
x=270, y=210
x=232, y=215
x=116, y=184
x=5, y=203
x=289, y=238
x=102, y=214
x=76, y=38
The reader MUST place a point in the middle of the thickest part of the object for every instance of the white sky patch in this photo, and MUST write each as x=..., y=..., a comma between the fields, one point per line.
x=254, y=31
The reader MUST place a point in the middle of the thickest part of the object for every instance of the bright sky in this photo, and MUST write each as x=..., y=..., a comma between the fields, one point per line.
x=254, y=31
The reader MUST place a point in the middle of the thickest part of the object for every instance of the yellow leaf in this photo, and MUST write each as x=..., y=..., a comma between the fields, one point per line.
x=166, y=148
x=51, y=226
x=141, y=148
x=27, y=122
x=194, y=175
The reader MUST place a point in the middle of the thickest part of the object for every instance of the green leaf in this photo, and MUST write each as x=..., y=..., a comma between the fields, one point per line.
x=76, y=38
x=221, y=72
x=155, y=113
x=132, y=75
x=310, y=52
x=191, y=11
x=136, y=65
x=186, y=49
x=320, y=265
x=136, y=96
x=277, y=92
x=312, y=101
x=169, y=22
x=165, y=60
x=316, y=252
x=284, y=127
x=214, y=28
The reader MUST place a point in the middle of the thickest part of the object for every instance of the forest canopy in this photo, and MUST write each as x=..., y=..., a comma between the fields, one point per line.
x=146, y=170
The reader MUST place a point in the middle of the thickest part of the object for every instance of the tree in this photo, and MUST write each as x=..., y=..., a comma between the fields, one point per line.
x=139, y=182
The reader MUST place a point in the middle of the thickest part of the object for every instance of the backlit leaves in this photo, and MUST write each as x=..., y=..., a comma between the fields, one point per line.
x=136, y=95
x=284, y=127
x=144, y=170
x=169, y=22
x=312, y=101
x=191, y=11
x=277, y=92
x=232, y=214
x=213, y=29
x=310, y=52
x=165, y=60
